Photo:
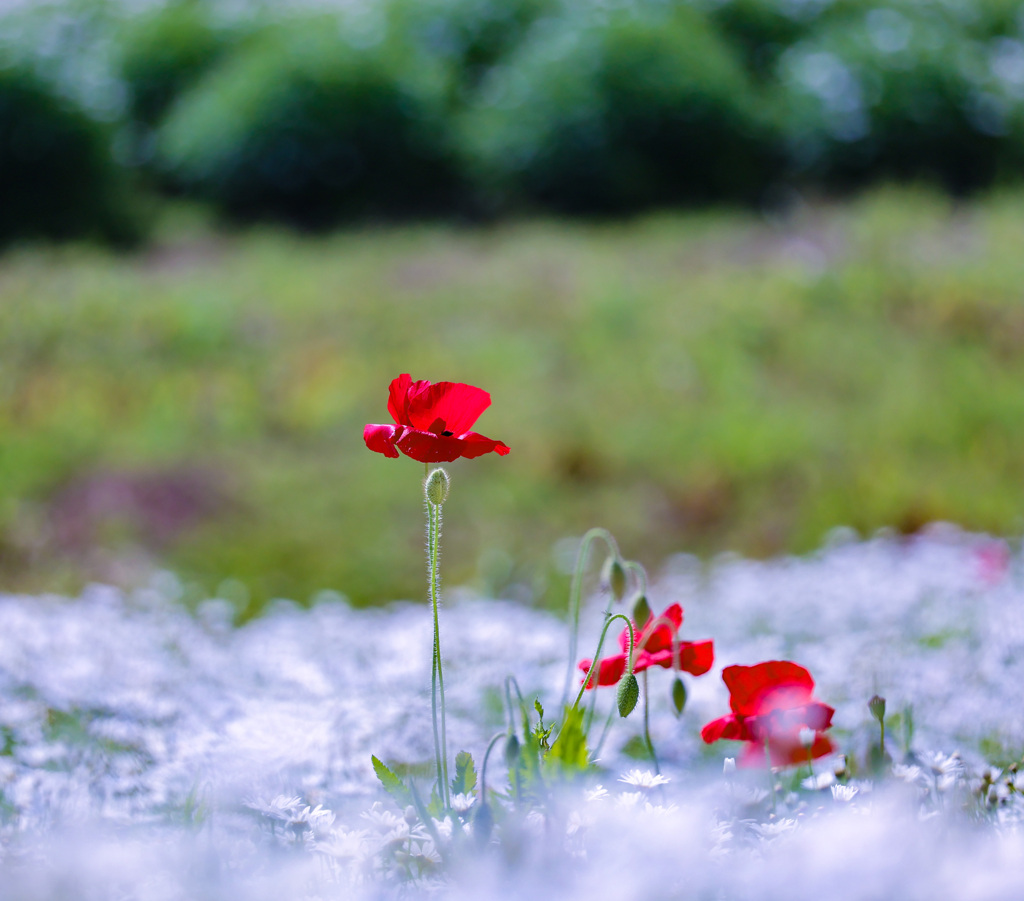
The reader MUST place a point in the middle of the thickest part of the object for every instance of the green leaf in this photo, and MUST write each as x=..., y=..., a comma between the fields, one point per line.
x=465, y=774
x=392, y=784
x=436, y=807
x=569, y=752
x=636, y=748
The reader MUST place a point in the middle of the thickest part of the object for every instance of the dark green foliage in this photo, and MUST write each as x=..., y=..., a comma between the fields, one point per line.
x=899, y=92
x=569, y=754
x=471, y=36
x=313, y=123
x=57, y=179
x=166, y=51
x=635, y=108
x=760, y=30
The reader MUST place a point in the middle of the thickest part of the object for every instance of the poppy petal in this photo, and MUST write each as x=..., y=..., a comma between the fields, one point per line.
x=381, y=438
x=788, y=751
x=696, y=657
x=448, y=406
x=729, y=727
x=662, y=634
x=399, y=393
x=474, y=445
x=430, y=448
x=658, y=658
x=609, y=670
x=767, y=686
x=818, y=716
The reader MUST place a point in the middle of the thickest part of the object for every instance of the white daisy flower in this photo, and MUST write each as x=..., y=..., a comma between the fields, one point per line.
x=644, y=779
x=463, y=802
x=281, y=807
x=774, y=830
x=843, y=793
x=908, y=773
x=817, y=783
x=444, y=827
x=320, y=820
x=345, y=845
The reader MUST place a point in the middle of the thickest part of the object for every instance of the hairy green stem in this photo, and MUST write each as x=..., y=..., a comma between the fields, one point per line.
x=597, y=653
x=437, y=675
x=575, y=590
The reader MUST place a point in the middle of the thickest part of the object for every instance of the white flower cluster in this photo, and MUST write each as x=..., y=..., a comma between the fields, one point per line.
x=150, y=753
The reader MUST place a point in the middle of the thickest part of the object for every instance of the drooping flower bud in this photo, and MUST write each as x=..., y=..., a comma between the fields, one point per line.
x=678, y=696
x=511, y=751
x=613, y=574
x=628, y=694
x=437, y=487
x=641, y=611
x=729, y=766
x=806, y=737
x=877, y=707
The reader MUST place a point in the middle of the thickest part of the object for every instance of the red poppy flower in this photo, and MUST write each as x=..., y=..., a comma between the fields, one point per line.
x=432, y=422
x=655, y=641
x=771, y=703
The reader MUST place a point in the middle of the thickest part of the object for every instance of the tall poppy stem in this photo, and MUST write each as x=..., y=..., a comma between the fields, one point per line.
x=647, y=728
x=575, y=592
x=436, y=489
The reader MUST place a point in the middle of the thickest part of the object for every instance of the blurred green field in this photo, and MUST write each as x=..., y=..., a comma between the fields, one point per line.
x=695, y=382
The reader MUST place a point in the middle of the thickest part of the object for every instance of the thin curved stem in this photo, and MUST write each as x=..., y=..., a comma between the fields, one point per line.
x=483, y=769
x=597, y=653
x=575, y=590
x=638, y=571
x=509, y=682
x=604, y=733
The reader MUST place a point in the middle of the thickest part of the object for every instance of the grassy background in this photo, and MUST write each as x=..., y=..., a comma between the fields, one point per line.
x=698, y=382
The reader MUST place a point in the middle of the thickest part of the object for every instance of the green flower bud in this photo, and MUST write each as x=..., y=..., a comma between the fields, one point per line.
x=511, y=751
x=628, y=694
x=641, y=612
x=437, y=487
x=614, y=576
x=678, y=696
x=877, y=707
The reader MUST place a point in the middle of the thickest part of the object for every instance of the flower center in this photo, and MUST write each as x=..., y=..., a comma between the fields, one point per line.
x=447, y=434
